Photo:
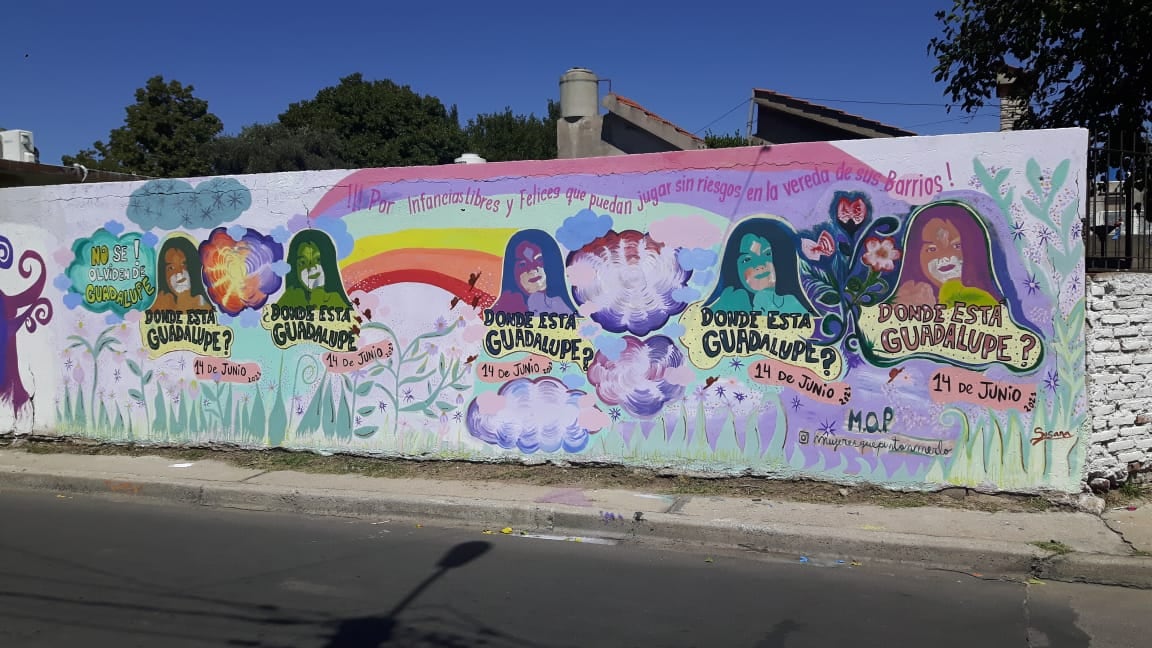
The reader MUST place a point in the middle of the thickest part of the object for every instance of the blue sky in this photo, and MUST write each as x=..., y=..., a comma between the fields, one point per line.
x=69, y=68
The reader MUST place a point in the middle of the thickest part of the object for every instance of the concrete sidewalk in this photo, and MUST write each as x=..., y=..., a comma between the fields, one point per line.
x=1075, y=546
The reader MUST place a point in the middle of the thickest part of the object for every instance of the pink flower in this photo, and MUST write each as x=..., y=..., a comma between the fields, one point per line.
x=880, y=255
x=851, y=211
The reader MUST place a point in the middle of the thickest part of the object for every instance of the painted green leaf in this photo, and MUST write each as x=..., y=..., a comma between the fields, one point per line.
x=1060, y=175
x=376, y=371
x=347, y=382
x=364, y=388
x=829, y=299
x=257, y=419
x=160, y=422
x=429, y=413
x=118, y=426
x=210, y=392
x=135, y=394
x=133, y=367
x=278, y=419
x=148, y=378
x=310, y=423
x=365, y=431
x=366, y=410
x=344, y=419
x=180, y=425
x=1032, y=172
x=447, y=407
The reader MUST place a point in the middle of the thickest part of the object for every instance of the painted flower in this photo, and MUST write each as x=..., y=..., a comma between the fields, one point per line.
x=823, y=246
x=880, y=255
x=1032, y=284
x=850, y=210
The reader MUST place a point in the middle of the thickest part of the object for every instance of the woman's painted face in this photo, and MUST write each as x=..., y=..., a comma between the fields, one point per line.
x=941, y=256
x=176, y=271
x=755, y=263
x=530, y=268
x=309, y=267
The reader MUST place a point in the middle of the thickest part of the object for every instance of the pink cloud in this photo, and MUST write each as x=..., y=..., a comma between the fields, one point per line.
x=593, y=419
x=682, y=375
x=686, y=232
x=491, y=402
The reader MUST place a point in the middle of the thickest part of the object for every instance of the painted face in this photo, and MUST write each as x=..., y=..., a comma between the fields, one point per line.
x=530, y=268
x=941, y=257
x=755, y=263
x=176, y=271
x=308, y=265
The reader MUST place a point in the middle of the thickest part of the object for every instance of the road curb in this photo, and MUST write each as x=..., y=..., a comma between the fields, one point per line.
x=791, y=541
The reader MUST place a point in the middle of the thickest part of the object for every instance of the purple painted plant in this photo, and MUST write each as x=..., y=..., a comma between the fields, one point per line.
x=26, y=309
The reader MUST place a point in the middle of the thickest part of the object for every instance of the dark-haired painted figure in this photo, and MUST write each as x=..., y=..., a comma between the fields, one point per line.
x=758, y=271
x=533, y=278
x=946, y=260
x=314, y=279
x=179, y=277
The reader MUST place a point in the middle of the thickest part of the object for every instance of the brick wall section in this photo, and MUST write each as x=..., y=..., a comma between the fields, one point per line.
x=1119, y=352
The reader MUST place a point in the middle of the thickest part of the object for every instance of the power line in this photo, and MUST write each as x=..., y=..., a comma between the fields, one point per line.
x=967, y=118
x=888, y=103
x=743, y=102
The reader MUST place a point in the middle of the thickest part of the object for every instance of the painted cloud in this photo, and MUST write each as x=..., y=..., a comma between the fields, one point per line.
x=644, y=377
x=533, y=415
x=634, y=284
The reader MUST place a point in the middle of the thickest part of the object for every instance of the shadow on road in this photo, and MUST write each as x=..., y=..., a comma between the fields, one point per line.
x=380, y=630
x=779, y=635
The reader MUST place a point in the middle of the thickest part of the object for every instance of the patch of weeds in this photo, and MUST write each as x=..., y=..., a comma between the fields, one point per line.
x=1053, y=546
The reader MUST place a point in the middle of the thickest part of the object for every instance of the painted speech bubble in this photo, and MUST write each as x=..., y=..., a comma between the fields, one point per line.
x=113, y=273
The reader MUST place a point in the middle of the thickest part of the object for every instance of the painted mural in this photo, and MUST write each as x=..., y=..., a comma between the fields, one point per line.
x=906, y=312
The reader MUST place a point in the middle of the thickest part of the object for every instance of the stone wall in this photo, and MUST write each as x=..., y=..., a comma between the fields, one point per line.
x=1119, y=339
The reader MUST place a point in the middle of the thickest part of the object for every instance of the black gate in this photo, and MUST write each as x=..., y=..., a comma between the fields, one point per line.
x=1118, y=227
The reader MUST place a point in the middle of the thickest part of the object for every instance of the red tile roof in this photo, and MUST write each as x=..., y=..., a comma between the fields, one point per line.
x=831, y=113
x=628, y=102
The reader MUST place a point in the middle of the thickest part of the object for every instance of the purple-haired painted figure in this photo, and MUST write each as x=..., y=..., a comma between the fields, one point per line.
x=946, y=260
x=533, y=278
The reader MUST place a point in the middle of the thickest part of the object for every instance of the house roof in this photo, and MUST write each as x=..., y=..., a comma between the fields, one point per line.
x=649, y=114
x=771, y=99
x=28, y=174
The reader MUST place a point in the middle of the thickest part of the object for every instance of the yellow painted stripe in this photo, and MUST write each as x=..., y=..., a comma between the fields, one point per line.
x=491, y=241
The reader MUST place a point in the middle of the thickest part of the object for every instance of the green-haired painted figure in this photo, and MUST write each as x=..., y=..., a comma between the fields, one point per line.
x=758, y=271
x=314, y=279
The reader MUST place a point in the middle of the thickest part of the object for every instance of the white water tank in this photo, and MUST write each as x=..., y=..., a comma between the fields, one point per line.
x=17, y=145
x=579, y=93
x=469, y=158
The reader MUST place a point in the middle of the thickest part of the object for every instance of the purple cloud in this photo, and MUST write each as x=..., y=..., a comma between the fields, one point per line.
x=643, y=379
x=583, y=228
x=532, y=415
x=626, y=282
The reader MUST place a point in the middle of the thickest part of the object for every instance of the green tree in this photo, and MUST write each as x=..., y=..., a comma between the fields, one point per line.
x=379, y=123
x=164, y=135
x=268, y=148
x=1083, y=63
x=712, y=140
x=505, y=136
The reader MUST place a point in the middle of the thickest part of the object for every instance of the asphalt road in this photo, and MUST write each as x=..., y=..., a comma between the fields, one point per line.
x=89, y=571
